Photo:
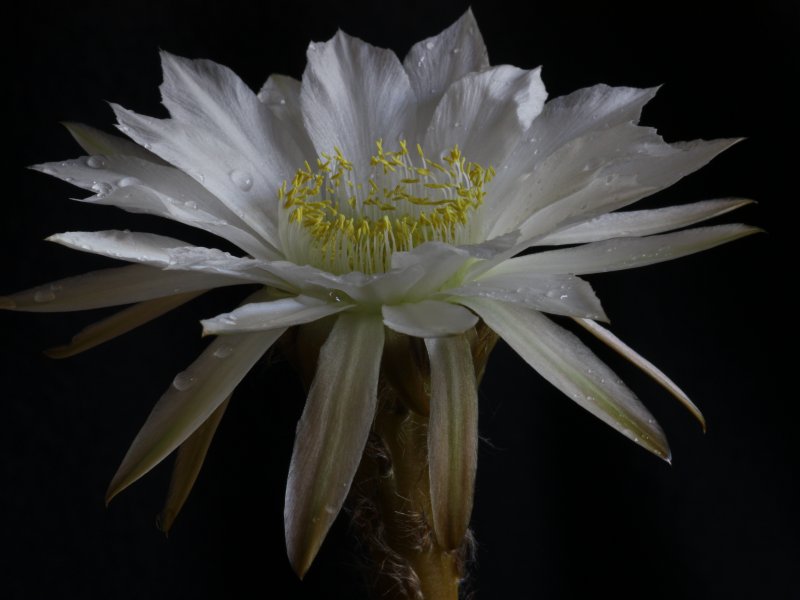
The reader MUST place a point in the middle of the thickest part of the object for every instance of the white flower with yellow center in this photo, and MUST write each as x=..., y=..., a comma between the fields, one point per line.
x=385, y=195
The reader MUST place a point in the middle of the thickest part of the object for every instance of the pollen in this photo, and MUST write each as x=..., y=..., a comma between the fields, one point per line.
x=339, y=221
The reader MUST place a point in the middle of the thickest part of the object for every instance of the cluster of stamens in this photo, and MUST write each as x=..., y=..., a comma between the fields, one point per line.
x=342, y=224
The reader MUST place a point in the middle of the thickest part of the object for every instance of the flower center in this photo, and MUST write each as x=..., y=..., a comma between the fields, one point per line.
x=338, y=223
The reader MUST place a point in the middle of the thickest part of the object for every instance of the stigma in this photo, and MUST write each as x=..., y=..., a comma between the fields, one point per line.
x=336, y=220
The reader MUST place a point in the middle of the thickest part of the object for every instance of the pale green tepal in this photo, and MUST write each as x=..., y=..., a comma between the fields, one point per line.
x=385, y=207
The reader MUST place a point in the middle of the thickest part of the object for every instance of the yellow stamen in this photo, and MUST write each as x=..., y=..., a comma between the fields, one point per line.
x=354, y=227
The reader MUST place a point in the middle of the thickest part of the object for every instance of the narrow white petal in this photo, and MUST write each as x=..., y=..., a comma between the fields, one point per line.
x=452, y=437
x=568, y=364
x=354, y=94
x=485, y=113
x=142, y=186
x=626, y=253
x=119, y=323
x=258, y=316
x=434, y=63
x=193, y=397
x=97, y=142
x=164, y=253
x=556, y=294
x=332, y=433
x=188, y=462
x=636, y=223
x=282, y=95
x=645, y=365
x=112, y=287
x=428, y=318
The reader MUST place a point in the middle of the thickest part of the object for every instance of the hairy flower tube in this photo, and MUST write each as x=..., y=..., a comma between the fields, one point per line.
x=383, y=200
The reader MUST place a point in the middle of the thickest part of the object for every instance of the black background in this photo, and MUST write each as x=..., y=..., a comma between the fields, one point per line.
x=564, y=507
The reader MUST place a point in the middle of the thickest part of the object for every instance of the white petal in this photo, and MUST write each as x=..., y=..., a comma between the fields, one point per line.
x=556, y=294
x=568, y=364
x=119, y=323
x=164, y=252
x=428, y=318
x=112, y=287
x=640, y=169
x=440, y=262
x=452, y=437
x=94, y=141
x=272, y=315
x=141, y=186
x=223, y=137
x=637, y=223
x=194, y=395
x=485, y=113
x=645, y=365
x=434, y=63
x=282, y=95
x=332, y=433
x=626, y=253
x=354, y=94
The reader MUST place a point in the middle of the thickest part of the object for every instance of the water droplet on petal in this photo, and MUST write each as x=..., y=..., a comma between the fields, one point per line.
x=334, y=296
x=96, y=162
x=148, y=146
x=101, y=188
x=456, y=50
x=223, y=351
x=126, y=181
x=429, y=45
x=563, y=296
x=190, y=204
x=283, y=100
x=183, y=381
x=241, y=179
x=456, y=124
x=44, y=296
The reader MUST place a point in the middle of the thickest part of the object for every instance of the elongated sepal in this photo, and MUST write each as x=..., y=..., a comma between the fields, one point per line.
x=188, y=463
x=191, y=399
x=332, y=433
x=562, y=359
x=119, y=323
x=645, y=365
x=452, y=437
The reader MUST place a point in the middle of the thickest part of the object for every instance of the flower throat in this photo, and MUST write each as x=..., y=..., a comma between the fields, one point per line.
x=334, y=222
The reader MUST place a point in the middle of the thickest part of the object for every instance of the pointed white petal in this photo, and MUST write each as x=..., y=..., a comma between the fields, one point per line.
x=119, y=323
x=556, y=294
x=645, y=365
x=568, y=364
x=188, y=463
x=626, y=253
x=452, y=437
x=141, y=186
x=245, y=180
x=164, y=253
x=428, y=318
x=258, y=316
x=282, y=95
x=485, y=113
x=97, y=142
x=637, y=223
x=638, y=170
x=112, y=287
x=332, y=433
x=193, y=397
x=434, y=63
x=354, y=94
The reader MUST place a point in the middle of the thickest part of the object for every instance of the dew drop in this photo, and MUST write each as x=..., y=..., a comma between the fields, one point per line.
x=456, y=50
x=69, y=179
x=334, y=295
x=183, y=381
x=457, y=124
x=429, y=45
x=563, y=296
x=126, y=181
x=421, y=61
x=283, y=100
x=223, y=351
x=44, y=296
x=48, y=171
x=330, y=509
x=241, y=179
x=96, y=162
x=190, y=204
x=148, y=146
x=101, y=188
